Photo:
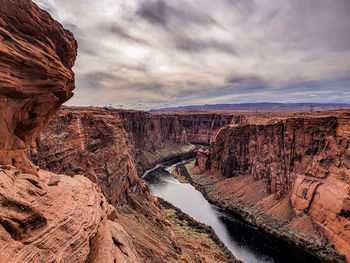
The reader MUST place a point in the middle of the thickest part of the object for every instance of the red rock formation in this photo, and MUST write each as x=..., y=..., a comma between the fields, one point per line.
x=90, y=142
x=56, y=218
x=158, y=129
x=289, y=175
x=106, y=146
x=93, y=142
x=36, y=57
x=202, y=127
x=155, y=137
x=45, y=217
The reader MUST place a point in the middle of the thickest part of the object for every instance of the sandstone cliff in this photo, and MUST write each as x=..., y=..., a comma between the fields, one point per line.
x=89, y=142
x=55, y=218
x=47, y=217
x=289, y=175
x=44, y=217
x=36, y=57
x=155, y=137
x=108, y=145
x=201, y=128
x=103, y=145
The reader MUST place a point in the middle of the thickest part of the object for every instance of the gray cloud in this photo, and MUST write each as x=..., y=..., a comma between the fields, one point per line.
x=122, y=33
x=192, y=45
x=154, y=53
x=159, y=12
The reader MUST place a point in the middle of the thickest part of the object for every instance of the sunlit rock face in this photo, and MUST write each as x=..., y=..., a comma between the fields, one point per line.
x=295, y=169
x=36, y=57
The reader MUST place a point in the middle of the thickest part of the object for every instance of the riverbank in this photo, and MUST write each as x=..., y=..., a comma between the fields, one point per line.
x=202, y=232
x=208, y=186
x=171, y=235
x=246, y=241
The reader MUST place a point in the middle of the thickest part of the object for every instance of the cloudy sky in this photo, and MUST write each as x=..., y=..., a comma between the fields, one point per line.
x=155, y=53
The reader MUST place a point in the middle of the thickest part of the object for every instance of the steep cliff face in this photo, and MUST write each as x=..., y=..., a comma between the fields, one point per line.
x=108, y=145
x=155, y=137
x=47, y=217
x=293, y=170
x=158, y=129
x=44, y=217
x=90, y=142
x=201, y=128
x=104, y=145
x=36, y=57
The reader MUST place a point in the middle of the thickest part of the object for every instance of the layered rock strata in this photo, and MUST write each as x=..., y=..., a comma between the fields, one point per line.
x=94, y=142
x=56, y=218
x=289, y=175
x=36, y=57
x=106, y=146
x=48, y=217
x=201, y=128
x=44, y=217
x=155, y=138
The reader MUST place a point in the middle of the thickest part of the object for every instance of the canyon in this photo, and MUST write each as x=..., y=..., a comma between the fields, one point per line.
x=201, y=128
x=70, y=186
x=94, y=207
x=275, y=170
x=286, y=173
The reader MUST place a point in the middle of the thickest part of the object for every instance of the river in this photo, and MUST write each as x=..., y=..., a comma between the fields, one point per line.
x=246, y=242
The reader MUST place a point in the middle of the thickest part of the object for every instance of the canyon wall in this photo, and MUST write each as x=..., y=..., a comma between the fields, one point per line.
x=108, y=146
x=44, y=217
x=290, y=175
x=36, y=57
x=201, y=128
x=65, y=216
x=103, y=145
x=155, y=137
x=93, y=143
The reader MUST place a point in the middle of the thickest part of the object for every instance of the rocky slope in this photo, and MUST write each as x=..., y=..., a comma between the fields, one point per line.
x=48, y=217
x=55, y=218
x=288, y=174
